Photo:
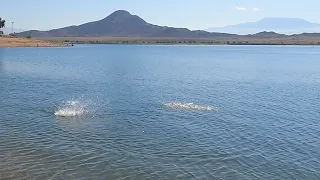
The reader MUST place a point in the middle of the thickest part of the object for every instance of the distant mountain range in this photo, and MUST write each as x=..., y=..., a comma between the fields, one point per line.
x=280, y=25
x=121, y=24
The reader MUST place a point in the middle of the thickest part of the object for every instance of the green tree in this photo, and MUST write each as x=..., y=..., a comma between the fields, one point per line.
x=2, y=23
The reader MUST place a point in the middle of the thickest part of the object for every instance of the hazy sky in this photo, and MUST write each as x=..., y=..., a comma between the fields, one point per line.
x=193, y=14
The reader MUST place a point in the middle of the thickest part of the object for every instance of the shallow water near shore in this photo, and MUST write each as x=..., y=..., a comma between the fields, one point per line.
x=160, y=112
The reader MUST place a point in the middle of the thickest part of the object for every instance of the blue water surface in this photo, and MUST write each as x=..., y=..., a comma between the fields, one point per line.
x=139, y=112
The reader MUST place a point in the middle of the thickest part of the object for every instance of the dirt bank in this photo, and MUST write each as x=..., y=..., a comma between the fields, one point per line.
x=10, y=41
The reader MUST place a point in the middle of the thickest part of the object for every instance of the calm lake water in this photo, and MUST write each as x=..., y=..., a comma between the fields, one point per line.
x=160, y=112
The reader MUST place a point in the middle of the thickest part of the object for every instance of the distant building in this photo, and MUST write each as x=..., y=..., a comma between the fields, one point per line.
x=1, y=32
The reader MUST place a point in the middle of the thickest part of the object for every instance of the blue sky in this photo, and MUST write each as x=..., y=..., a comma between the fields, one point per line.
x=193, y=14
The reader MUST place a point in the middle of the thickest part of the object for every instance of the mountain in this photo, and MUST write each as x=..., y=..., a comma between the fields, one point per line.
x=120, y=24
x=266, y=34
x=279, y=25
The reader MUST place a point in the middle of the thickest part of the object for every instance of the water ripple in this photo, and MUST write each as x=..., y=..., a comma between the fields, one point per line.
x=191, y=106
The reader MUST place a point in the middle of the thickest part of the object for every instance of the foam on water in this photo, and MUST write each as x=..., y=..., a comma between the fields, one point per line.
x=71, y=108
x=191, y=106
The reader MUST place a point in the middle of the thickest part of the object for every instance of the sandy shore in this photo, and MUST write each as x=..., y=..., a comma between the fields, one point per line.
x=9, y=41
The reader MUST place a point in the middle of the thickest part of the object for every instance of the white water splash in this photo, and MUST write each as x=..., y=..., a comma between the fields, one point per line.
x=71, y=108
x=191, y=106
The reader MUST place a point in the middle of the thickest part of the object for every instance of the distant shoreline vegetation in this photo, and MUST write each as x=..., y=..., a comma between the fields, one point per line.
x=184, y=42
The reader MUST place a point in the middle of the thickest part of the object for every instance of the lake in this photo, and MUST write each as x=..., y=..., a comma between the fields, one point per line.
x=160, y=112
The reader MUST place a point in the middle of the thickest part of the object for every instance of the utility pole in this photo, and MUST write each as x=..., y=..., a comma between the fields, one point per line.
x=12, y=26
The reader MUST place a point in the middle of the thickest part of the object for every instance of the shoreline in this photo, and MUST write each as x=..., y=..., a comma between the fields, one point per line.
x=312, y=41
x=13, y=42
x=204, y=44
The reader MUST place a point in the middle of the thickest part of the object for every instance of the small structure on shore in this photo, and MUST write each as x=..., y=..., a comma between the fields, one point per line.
x=68, y=44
